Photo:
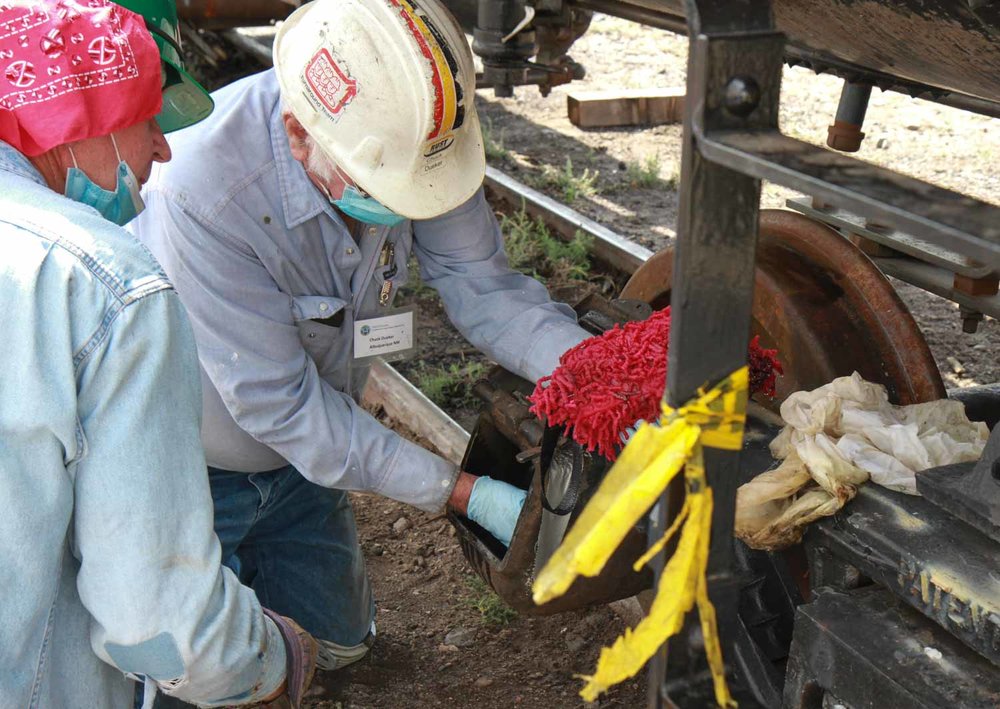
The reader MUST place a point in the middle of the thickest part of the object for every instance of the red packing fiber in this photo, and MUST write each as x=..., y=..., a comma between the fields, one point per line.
x=607, y=383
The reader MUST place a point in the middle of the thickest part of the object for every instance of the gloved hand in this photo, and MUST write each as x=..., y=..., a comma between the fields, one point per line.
x=495, y=506
x=630, y=431
x=301, y=650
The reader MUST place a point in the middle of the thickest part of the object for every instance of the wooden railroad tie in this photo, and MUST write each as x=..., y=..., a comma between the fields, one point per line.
x=625, y=107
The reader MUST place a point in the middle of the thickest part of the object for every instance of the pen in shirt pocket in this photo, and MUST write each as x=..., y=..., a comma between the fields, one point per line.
x=387, y=260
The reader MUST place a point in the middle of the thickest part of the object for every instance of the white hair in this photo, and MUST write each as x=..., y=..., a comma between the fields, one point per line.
x=317, y=161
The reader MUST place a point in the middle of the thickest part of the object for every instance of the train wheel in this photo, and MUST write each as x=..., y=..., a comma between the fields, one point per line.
x=825, y=306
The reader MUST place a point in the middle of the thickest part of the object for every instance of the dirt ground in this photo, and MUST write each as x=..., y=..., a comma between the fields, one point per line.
x=445, y=641
x=435, y=648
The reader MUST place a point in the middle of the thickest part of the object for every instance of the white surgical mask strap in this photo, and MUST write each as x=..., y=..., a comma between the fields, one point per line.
x=72, y=155
x=322, y=187
x=115, y=144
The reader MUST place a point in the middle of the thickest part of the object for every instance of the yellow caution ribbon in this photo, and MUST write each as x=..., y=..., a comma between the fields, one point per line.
x=653, y=457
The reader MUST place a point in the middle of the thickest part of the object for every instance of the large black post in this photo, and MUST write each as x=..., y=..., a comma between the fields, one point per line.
x=734, y=74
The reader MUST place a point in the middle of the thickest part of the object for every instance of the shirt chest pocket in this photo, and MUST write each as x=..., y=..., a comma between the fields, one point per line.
x=325, y=326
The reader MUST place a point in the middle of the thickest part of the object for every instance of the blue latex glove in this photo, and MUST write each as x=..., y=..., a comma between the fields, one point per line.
x=630, y=431
x=495, y=506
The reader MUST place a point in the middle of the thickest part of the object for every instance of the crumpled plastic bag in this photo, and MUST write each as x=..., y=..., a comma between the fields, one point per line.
x=836, y=438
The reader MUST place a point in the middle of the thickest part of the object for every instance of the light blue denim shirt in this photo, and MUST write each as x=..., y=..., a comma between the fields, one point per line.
x=108, y=561
x=259, y=256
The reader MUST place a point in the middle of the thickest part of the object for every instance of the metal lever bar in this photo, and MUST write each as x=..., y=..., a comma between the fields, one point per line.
x=849, y=223
x=931, y=213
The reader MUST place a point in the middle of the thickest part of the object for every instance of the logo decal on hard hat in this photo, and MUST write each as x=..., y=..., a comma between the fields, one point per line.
x=35, y=81
x=439, y=146
x=329, y=84
x=448, y=110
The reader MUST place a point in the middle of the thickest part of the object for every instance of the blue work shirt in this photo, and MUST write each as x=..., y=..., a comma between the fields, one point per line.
x=108, y=561
x=260, y=258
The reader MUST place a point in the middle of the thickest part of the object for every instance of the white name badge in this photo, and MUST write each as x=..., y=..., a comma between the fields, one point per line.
x=390, y=334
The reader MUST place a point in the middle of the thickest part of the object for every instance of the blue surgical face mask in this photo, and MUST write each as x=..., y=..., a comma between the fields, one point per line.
x=119, y=206
x=365, y=209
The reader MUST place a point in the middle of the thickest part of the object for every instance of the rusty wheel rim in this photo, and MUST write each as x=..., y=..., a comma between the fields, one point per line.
x=825, y=306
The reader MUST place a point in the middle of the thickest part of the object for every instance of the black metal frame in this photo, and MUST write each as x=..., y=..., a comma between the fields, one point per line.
x=731, y=142
x=841, y=639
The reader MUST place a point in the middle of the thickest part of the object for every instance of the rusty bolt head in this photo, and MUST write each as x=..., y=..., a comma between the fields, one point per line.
x=970, y=320
x=741, y=96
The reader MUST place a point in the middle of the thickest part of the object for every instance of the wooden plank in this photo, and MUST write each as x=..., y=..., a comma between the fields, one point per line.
x=625, y=107
x=404, y=402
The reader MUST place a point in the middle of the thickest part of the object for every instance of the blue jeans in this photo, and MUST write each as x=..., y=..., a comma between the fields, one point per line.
x=296, y=545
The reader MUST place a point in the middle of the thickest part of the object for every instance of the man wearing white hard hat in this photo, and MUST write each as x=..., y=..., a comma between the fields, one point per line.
x=286, y=222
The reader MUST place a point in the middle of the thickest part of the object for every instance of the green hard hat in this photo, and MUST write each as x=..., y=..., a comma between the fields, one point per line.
x=185, y=102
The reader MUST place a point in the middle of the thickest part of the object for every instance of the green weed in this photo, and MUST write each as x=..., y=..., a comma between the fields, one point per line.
x=450, y=386
x=493, y=143
x=643, y=175
x=490, y=606
x=532, y=249
x=415, y=288
x=570, y=185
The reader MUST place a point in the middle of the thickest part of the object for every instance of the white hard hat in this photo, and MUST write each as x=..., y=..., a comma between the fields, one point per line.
x=386, y=89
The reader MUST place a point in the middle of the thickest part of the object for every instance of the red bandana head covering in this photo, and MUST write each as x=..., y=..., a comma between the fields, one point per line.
x=73, y=69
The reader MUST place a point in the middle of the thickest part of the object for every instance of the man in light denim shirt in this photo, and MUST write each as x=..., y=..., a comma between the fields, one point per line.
x=109, y=567
x=287, y=219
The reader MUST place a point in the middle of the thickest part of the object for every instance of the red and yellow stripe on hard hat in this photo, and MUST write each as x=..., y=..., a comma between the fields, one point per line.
x=442, y=76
